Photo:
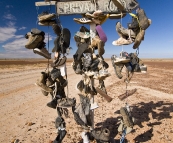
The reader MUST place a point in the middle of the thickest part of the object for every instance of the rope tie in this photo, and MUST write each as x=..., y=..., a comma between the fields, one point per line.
x=37, y=8
x=122, y=46
x=48, y=50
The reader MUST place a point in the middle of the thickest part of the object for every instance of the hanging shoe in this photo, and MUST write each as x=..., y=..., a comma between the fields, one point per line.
x=80, y=86
x=104, y=73
x=33, y=40
x=120, y=60
x=89, y=15
x=84, y=29
x=42, y=83
x=52, y=104
x=47, y=22
x=42, y=52
x=60, y=137
x=84, y=35
x=144, y=22
x=138, y=39
x=98, y=44
x=56, y=28
x=127, y=119
x=118, y=69
x=59, y=61
x=122, y=127
x=101, y=134
x=59, y=122
x=98, y=13
x=124, y=32
x=122, y=41
x=82, y=20
x=49, y=82
x=63, y=82
x=55, y=73
x=46, y=16
x=66, y=102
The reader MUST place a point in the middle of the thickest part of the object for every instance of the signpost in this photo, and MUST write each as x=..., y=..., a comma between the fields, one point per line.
x=81, y=7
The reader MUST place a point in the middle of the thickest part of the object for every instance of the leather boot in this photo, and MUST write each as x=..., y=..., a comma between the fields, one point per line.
x=42, y=82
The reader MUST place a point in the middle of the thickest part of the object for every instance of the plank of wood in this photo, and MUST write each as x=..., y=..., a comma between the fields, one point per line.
x=42, y=3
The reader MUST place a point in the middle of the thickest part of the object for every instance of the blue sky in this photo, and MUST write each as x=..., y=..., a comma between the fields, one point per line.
x=17, y=17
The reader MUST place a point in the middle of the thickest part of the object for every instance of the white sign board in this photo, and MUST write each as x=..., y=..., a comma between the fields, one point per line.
x=81, y=7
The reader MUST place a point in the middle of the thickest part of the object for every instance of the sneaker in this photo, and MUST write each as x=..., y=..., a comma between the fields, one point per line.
x=84, y=35
x=66, y=102
x=101, y=134
x=47, y=22
x=82, y=20
x=52, y=104
x=104, y=73
x=46, y=16
x=122, y=41
x=127, y=119
x=121, y=128
x=42, y=52
x=124, y=32
x=120, y=60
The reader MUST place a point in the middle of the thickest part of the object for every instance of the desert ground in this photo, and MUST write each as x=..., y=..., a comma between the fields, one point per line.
x=25, y=116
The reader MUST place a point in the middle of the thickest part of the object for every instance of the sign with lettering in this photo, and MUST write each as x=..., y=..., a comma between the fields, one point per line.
x=81, y=7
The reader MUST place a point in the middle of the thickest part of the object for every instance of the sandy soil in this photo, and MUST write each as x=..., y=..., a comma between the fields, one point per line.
x=25, y=116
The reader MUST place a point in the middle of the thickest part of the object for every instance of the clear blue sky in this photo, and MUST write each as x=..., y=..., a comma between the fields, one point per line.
x=17, y=17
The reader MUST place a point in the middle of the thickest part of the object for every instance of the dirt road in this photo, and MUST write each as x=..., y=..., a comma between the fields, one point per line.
x=25, y=116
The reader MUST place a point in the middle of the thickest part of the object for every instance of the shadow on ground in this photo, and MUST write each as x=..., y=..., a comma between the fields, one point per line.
x=142, y=112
